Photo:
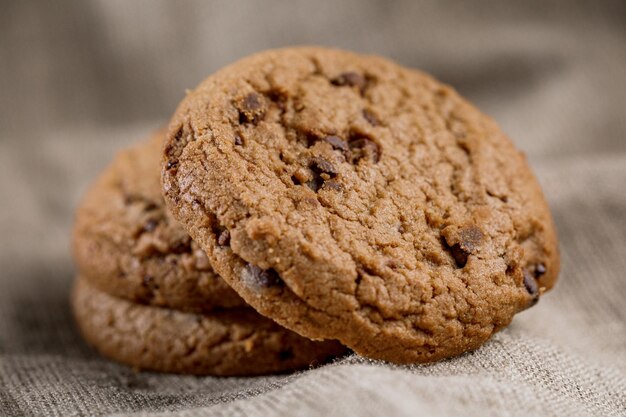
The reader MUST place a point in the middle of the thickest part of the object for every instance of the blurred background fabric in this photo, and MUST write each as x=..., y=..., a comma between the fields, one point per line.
x=81, y=79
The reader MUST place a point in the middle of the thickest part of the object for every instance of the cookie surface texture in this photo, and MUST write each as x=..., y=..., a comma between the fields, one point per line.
x=228, y=342
x=128, y=245
x=362, y=201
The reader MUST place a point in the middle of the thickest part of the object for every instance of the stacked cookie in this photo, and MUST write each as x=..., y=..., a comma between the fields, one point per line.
x=342, y=196
x=147, y=296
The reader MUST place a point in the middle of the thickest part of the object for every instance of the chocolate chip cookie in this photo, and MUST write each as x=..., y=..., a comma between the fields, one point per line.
x=128, y=245
x=348, y=197
x=236, y=341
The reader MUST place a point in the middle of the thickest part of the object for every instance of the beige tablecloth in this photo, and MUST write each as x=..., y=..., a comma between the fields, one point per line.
x=79, y=79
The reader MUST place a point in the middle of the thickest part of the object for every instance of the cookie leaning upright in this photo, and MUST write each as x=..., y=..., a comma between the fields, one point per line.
x=347, y=197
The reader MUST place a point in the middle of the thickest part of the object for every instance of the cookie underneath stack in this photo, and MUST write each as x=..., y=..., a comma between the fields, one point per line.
x=342, y=196
x=147, y=296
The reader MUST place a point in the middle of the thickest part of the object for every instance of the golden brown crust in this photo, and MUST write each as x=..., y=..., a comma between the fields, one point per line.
x=226, y=343
x=363, y=201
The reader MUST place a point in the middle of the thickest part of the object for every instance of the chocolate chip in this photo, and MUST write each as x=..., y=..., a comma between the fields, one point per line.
x=322, y=165
x=223, y=238
x=150, y=206
x=262, y=278
x=351, y=79
x=370, y=117
x=470, y=238
x=323, y=170
x=540, y=269
x=278, y=99
x=531, y=286
x=238, y=140
x=286, y=354
x=150, y=225
x=463, y=244
x=252, y=102
x=171, y=164
x=460, y=256
x=179, y=134
x=316, y=183
x=336, y=142
x=309, y=138
x=364, y=148
x=251, y=108
x=339, y=144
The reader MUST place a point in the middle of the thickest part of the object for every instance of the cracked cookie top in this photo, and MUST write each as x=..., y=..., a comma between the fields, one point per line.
x=347, y=197
x=128, y=245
